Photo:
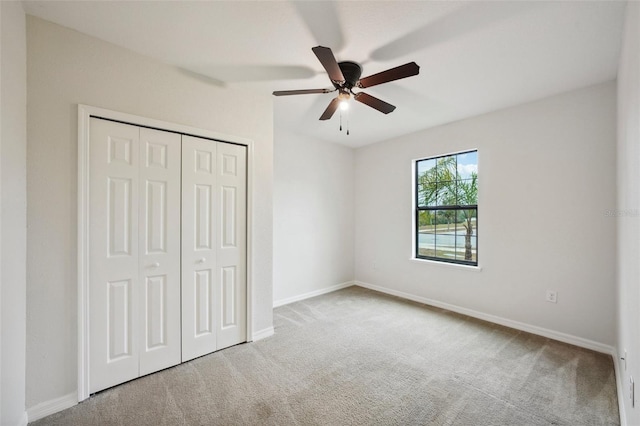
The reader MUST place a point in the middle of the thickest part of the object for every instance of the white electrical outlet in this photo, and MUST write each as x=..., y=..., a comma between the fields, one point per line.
x=552, y=296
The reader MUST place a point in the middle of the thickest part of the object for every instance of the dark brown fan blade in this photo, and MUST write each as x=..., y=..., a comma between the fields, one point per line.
x=403, y=71
x=301, y=92
x=333, y=106
x=328, y=61
x=374, y=102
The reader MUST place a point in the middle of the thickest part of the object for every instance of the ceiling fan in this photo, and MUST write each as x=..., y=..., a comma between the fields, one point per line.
x=346, y=75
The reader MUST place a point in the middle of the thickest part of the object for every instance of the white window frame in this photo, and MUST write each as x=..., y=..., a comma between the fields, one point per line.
x=414, y=233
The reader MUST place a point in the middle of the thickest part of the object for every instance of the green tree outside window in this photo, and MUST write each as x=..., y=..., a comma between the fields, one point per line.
x=447, y=208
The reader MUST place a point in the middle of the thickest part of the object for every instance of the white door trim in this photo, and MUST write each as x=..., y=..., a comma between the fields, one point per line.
x=84, y=114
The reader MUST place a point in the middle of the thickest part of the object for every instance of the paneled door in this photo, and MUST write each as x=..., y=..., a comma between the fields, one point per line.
x=159, y=260
x=213, y=246
x=134, y=252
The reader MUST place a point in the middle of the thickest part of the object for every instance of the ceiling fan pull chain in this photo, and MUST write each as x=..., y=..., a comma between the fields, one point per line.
x=347, y=123
x=340, y=120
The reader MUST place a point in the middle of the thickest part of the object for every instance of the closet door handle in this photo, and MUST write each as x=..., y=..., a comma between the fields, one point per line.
x=153, y=265
x=201, y=260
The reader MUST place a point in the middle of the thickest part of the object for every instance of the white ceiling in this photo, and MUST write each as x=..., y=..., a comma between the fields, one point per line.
x=475, y=57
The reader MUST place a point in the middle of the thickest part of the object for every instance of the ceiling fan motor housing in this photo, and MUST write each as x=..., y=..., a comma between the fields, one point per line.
x=351, y=72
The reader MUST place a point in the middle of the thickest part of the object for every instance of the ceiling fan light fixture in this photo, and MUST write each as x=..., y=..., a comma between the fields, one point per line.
x=344, y=97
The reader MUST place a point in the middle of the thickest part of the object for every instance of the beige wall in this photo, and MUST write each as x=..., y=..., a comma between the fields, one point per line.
x=13, y=147
x=546, y=181
x=66, y=68
x=313, y=216
x=629, y=210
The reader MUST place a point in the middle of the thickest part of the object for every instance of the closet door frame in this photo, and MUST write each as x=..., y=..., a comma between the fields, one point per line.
x=85, y=112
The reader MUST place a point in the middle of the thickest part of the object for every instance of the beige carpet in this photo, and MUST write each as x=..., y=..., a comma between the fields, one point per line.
x=357, y=357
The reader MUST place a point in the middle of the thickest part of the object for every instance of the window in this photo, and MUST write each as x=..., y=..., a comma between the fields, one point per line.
x=446, y=216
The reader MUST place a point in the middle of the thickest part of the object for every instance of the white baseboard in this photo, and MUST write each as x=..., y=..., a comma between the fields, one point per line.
x=620, y=387
x=262, y=334
x=533, y=329
x=314, y=293
x=52, y=406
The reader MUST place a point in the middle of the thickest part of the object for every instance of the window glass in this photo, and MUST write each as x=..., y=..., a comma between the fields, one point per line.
x=447, y=208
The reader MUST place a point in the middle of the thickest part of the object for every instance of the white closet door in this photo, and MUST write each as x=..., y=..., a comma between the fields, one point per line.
x=114, y=272
x=213, y=246
x=159, y=242
x=167, y=250
x=231, y=244
x=198, y=247
x=134, y=290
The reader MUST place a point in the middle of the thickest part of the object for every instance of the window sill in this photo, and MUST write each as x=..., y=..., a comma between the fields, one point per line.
x=448, y=265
